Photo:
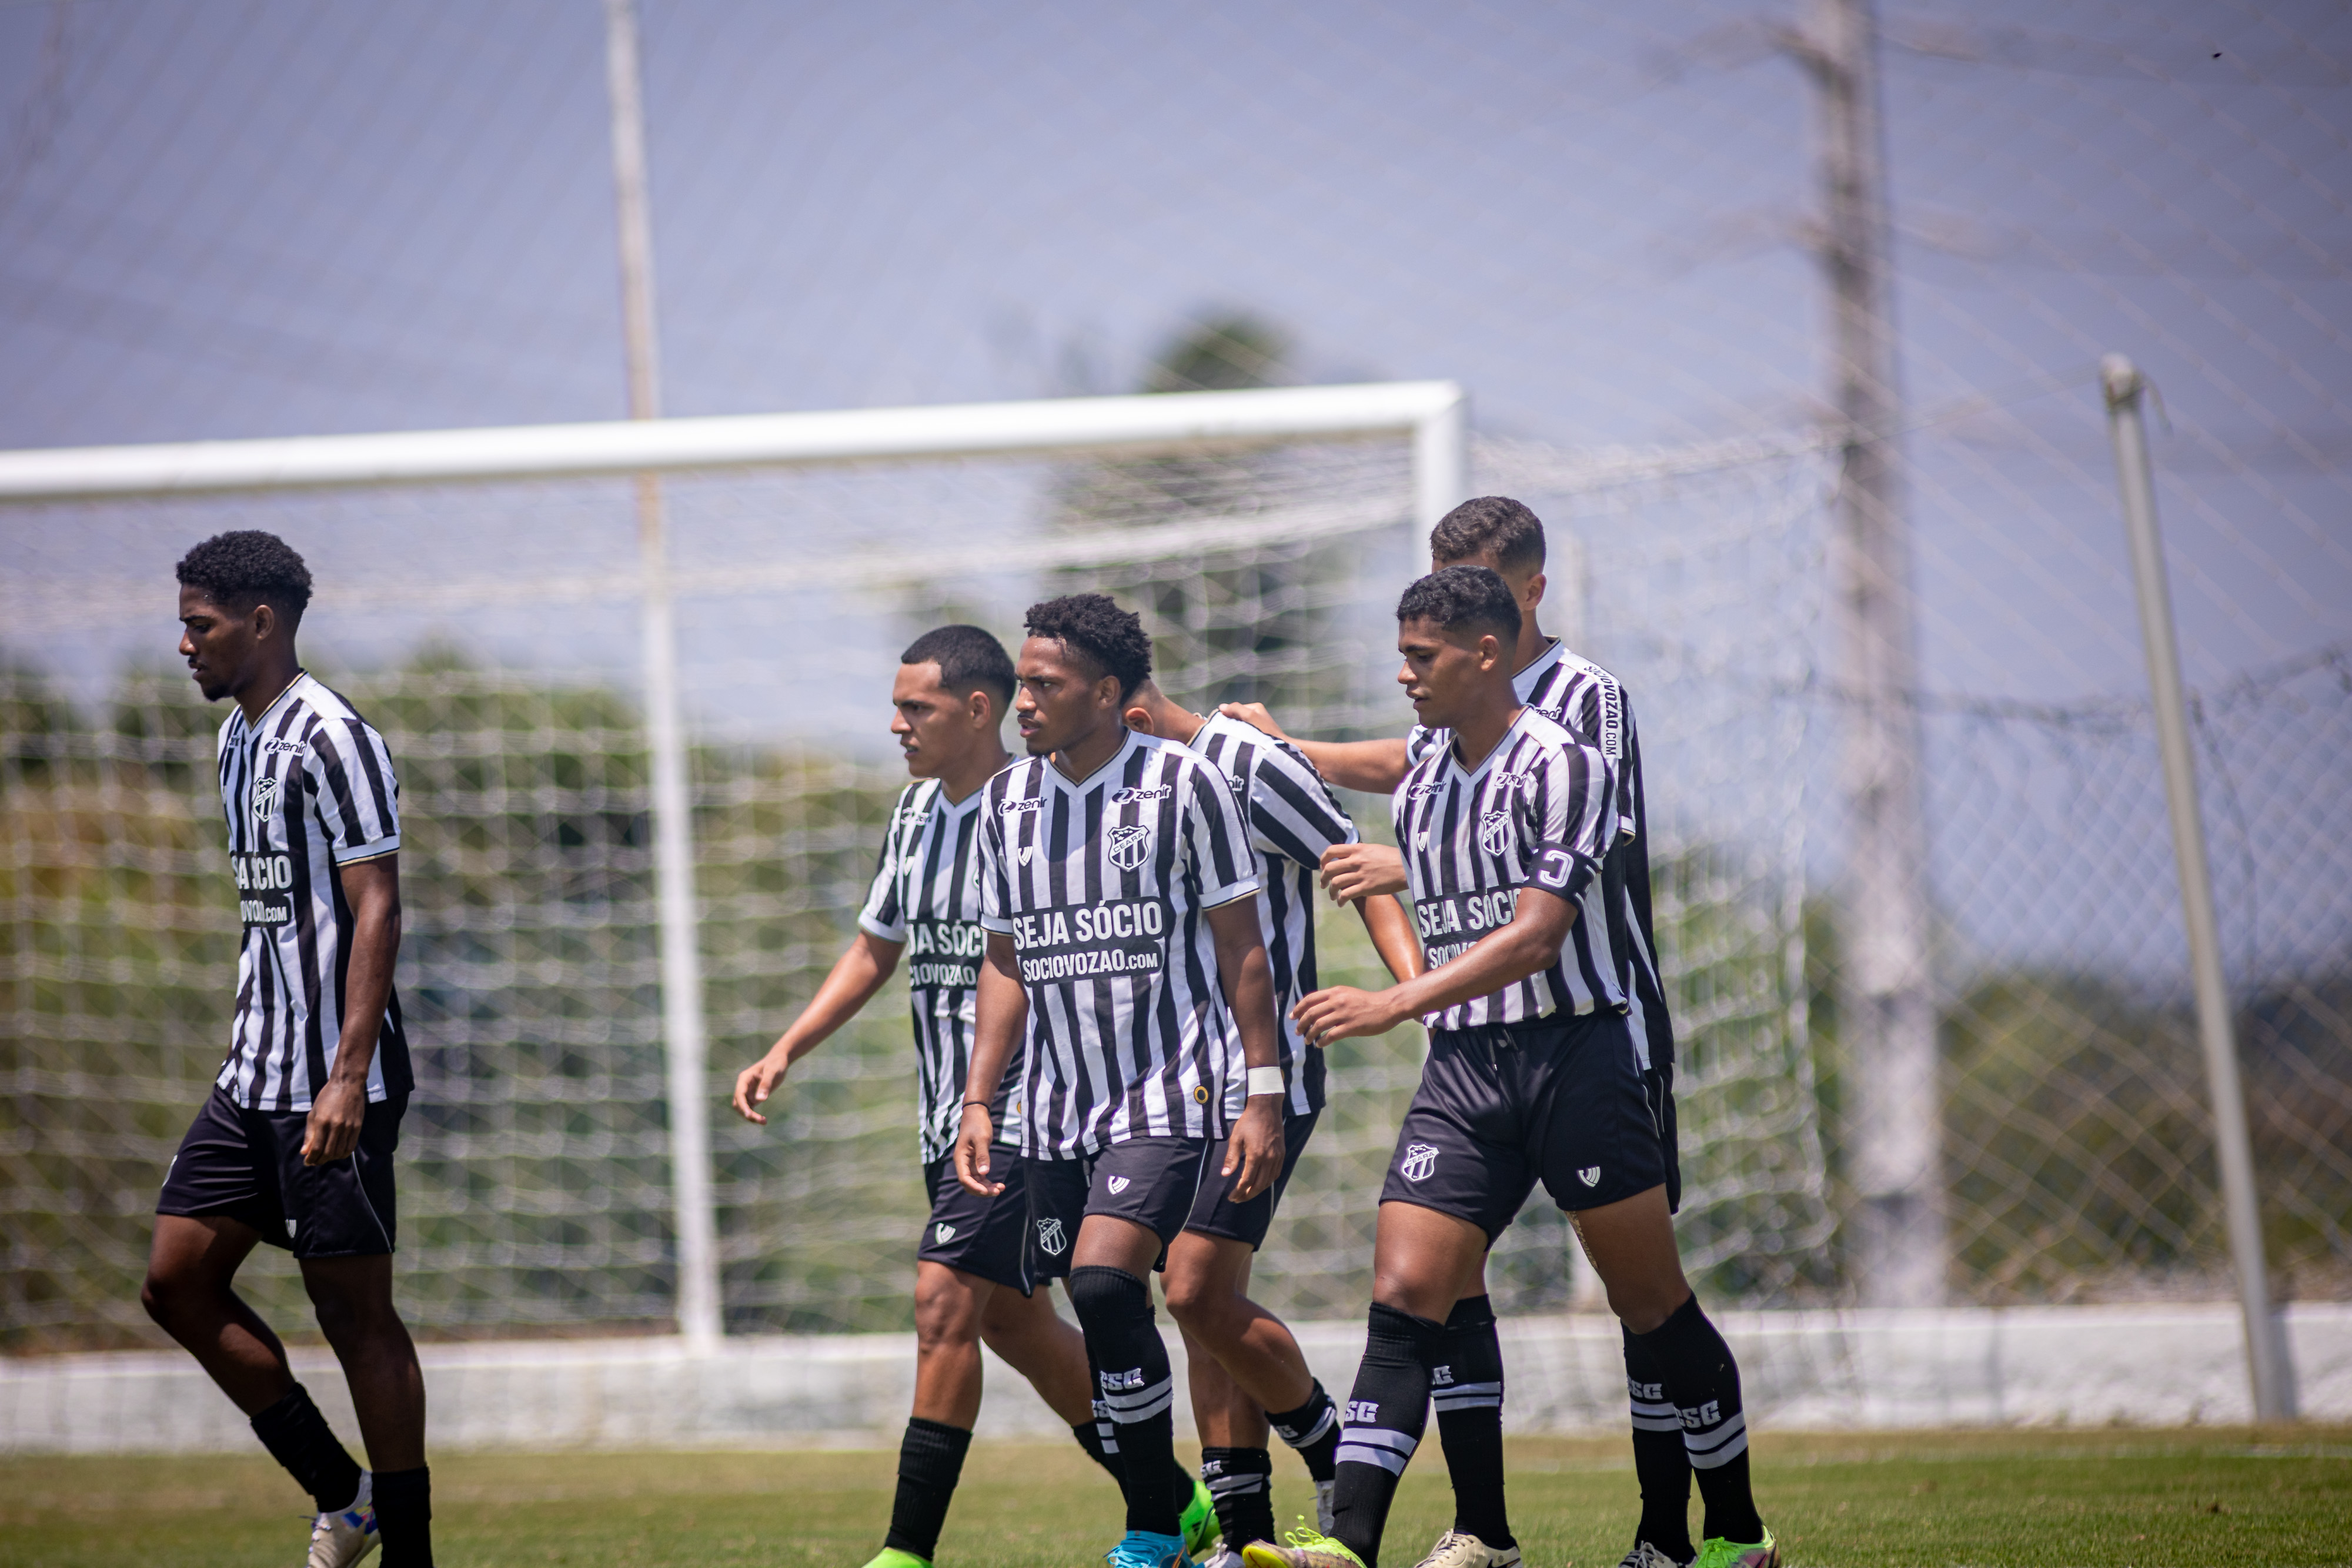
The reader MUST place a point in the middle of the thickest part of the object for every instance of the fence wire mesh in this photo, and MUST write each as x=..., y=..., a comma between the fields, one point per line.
x=292, y=220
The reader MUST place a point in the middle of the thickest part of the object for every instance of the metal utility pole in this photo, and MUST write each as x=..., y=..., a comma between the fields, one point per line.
x=685, y=1045
x=1886, y=1005
x=2267, y=1365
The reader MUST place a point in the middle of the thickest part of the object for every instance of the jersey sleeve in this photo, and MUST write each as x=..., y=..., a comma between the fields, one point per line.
x=1603, y=713
x=885, y=911
x=1572, y=815
x=995, y=887
x=1292, y=813
x=1419, y=742
x=347, y=774
x=1217, y=840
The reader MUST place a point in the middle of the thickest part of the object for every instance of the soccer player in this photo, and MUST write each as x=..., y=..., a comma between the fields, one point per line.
x=1502, y=534
x=953, y=689
x=1533, y=1075
x=1121, y=899
x=294, y=1146
x=1293, y=821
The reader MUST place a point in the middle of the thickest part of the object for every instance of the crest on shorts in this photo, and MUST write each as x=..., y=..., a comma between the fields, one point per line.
x=1494, y=832
x=1131, y=846
x=1117, y=1184
x=1589, y=1176
x=943, y=1233
x=1050, y=1240
x=265, y=798
x=1420, y=1159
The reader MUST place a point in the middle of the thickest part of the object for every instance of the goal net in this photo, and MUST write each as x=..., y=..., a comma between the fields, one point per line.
x=490, y=630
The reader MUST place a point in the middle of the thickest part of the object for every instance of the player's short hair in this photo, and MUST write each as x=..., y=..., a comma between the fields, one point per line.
x=970, y=660
x=1465, y=600
x=1097, y=630
x=244, y=568
x=1490, y=525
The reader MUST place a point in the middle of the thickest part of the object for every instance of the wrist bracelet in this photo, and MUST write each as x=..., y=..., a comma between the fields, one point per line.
x=1265, y=1080
x=982, y=1103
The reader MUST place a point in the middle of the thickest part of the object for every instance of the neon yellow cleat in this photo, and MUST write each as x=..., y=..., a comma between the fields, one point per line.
x=1301, y=1548
x=891, y=1557
x=1721, y=1553
x=1199, y=1525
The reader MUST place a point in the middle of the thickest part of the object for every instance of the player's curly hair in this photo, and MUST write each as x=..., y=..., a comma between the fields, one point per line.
x=1097, y=630
x=245, y=567
x=1494, y=526
x=1472, y=601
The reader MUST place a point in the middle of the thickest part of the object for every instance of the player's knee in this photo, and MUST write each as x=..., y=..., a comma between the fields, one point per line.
x=1201, y=1302
x=947, y=1313
x=163, y=1296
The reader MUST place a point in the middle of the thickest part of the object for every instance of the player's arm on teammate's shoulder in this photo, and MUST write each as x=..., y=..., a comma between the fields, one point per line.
x=339, y=1106
x=1000, y=1015
x=1255, y=1147
x=855, y=975
x=1375, y=767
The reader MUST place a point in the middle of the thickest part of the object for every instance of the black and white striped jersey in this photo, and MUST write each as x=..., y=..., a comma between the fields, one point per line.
x=306, y=790
x=926, y=895
x=1104, y=885
x=1581, y=695
x=1539, y=810
x=1292, y=818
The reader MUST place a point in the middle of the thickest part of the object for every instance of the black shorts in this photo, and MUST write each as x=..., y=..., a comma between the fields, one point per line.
x=1151, y=1181
x=1658, y=1089
x=976, y=1235
x=248, y=1164
x=1502, y=1107
x=1213, y=1211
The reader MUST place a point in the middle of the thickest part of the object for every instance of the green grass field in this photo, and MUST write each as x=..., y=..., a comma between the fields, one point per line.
x=2202, y=1496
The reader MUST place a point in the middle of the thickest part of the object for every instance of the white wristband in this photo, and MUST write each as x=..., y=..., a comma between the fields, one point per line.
x=1265, y=1080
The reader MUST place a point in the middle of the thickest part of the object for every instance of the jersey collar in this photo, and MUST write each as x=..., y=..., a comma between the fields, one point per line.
x=255, y=727
x=1079, y=786
x=1472, y=775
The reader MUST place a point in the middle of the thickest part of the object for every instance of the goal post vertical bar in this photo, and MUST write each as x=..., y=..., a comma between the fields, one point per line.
x=1441, y=461
x=684, y=1041
x=2268, y=1367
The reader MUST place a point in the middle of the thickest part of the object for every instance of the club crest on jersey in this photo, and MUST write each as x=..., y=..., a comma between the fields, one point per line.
x=1130, y=846
x=943, y=1233
x=1589, y=1174
x=1420, y=1159
x=1494, y=832
x=265, y=798
x=1118, y=1184
x=1050, y=1237
x=1135, y=793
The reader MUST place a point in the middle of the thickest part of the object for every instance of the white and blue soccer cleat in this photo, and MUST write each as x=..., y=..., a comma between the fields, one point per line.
x=342, y=1538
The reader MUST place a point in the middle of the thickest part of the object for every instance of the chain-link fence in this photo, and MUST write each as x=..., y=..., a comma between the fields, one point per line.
x=1594, y=219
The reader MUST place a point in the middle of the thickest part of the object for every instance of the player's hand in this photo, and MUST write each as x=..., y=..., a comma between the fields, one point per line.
x=1255, y=717
x=1255, y=1146
x=333, y=1132
x=756, y=1082
x=1343, y=1012
x=1351, y=872
x=974, y=1135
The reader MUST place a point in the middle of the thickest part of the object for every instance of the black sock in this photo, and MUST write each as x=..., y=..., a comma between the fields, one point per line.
x=1466, y=1385
x=930, y=1462
x=1703, y=1381
x=1089, y=1434
x=1312, y=1431
x=1661, y=1463
x=299, y=1438
x=1387, y=1414
x=1133, y=1373
x=404, y=1517
x=1241, y=1480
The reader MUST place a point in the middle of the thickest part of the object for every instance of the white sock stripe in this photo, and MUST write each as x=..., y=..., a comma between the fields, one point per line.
x=1467, y=1402
x=1495, y=1387
x=1128, y=1398
x=1656, y=1407
x=1362, y=1453
x=1382, y=1437
x=1657, y=1423
x=1315, y=1434
x=1719, y=1457
x=1243, y=1486
x=1714, y=1437
x=1135, y=1415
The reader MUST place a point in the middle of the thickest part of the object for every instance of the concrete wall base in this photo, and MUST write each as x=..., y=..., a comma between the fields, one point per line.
x=2139, y=1365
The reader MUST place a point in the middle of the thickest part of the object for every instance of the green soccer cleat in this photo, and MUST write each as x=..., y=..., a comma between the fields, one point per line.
x=1198, y=1523
x=1721, y=1553
x=1301, y=1548
x=891, y=1557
